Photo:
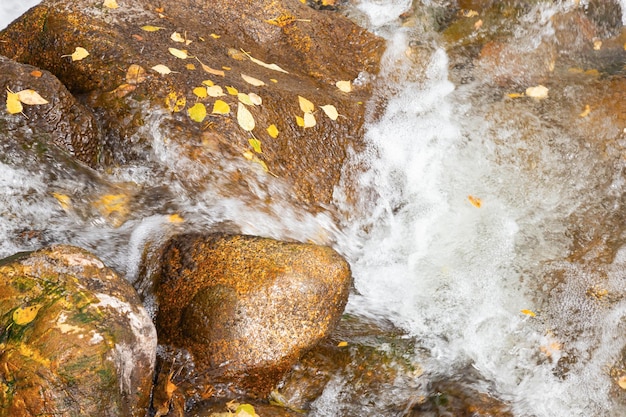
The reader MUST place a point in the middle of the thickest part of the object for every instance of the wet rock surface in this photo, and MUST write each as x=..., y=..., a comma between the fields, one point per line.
x=314, y=48
x=246, y=308
x=74, y=338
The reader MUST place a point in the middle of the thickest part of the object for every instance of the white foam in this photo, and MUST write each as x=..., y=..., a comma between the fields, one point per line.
x=12, y=9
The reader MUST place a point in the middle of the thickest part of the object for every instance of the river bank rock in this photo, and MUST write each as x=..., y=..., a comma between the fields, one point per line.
x=245, y=307
x=75, y=339
x=224, y=43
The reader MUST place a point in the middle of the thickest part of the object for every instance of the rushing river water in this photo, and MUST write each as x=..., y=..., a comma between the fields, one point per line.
x=455, y=274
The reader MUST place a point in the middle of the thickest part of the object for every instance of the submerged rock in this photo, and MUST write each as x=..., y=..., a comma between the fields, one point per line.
x=74, y=338
x=245, y=307
x=222, y=43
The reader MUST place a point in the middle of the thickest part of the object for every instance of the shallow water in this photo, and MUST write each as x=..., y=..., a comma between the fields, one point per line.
x=453, y=275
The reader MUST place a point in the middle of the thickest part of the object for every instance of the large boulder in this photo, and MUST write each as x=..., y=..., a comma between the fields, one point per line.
x=245, y=307
x=312, y=49
x=74, y=339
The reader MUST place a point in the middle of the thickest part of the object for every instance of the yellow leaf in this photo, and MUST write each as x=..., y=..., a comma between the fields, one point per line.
x=135, y=74
x=14, y=105
x=528, y=313
x=177, y=37
x=272, y=130
x=515, y=95
x=245, y=99
x=210, y=70
x=244, y=118
x=597, y=45
x=585, y=112
x=220, y=107
x=478, y=24
x=251, y=80
x=225, y=67
x=274, y=80
x=345, y=86
x=252, y=157
x=178, y=53
x=622, y=380
x=273, y=67
x=214, y=36
x=256, y=145
x=162, y=69
x=201, y=92
x=232, y=90
x=78, y=54
x=64, y=200
x=36, y=73
x=197, y=112
x=305, y=105
x=342, y=344
x=24, y=315
x=255, y=99
x=309, y=120
x=215, y=91
x=174, y=103
x=175, y=218
x=150, y=28
x=190, y=67
x=331, y=111
x=111, y=4
x=476, y=202
x=299, y=121
x=208, y=83
x=31, y=97
x=539, y=92
x=245, y=410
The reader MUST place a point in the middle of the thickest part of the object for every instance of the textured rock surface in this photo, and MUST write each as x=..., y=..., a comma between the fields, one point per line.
x=246, y=307
x=74, y=338
x=316, y=48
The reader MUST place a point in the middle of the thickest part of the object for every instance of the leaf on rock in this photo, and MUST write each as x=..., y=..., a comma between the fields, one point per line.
x=14, y=105
x=36, y=73
x=220, y=107
x=245, y=99
x=135, y=74
x=215, y=91
x=539, y=92
x=272, y=130
x=622, y=380
x=210, y=70
x=273, y=67
x=585, y=112
x=190, y=67
x=331, y=111
x=252, y=157
x=305, y=105
x=78, y=54
x=515, y=95
x=299, y=121
x=31, y=97
x=251, y=80
x=245, y=118
x=342, y=344
x=162, y=69
x=215, y=36
x=174, y=102
x=345, y=86
x=245, y=410
x=197, y=112
x=150, y=28
x=177, y=37
x=232, y=90
x=255, y=99
x=64, y=200
x=123, y=90
x=111, y=4
x=309, y=120
x=175, y=218
x=178, y=53
x=256, y=145
x=24, y=315
x=475, y=201
x=200, y=92
x=528, y=313
x=208, y=83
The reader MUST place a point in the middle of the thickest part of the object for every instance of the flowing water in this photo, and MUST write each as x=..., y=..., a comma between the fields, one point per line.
x=455, y=274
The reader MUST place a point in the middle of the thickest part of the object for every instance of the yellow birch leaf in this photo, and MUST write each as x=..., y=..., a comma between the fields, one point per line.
x=255, y=99
x=78, y=54
x=539, y=92
x=31, y=97
x=244, y=118
x=225, y=67
x=273, y=67
x=14, y=105
x=232, y=90
x=475, y=201
x=245, y=99
x=331, y=111
x=345, y=86
x=174, y=103
x=305, y=105
x=272, y=130
x=208, y=83
x=197, y=112
x=178, y=53
x=64, y=200
x=528, y=313
x=36, y=73
x=274, y=80
x=162, y=69
x=585, y=112
x=215, y=91
x=210, y=70
x=342, y=344
x=597, y=45
x=256, y=145
x=24, y=315
x=175, y=218
x=299, y=121
x=220, y=107
x=200, y=92
x=135, y=74
x=177, y=37
x=622, y=380
x=309, y=120
x=214, y=36
x=190, y=67
x=252, y=157
x=251, y=80
x=111, y=4
x=150, y=28
x=245, y=410
x=515, y=95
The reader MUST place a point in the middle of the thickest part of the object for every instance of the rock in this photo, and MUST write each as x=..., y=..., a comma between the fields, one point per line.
x=316, y=48
x=63, y=122
x=75, y=339
x=246, y=307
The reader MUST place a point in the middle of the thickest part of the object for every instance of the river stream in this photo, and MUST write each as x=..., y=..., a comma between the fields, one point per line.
x=461, y=234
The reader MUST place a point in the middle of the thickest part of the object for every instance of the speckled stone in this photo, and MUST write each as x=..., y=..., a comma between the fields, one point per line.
x=248, y=307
